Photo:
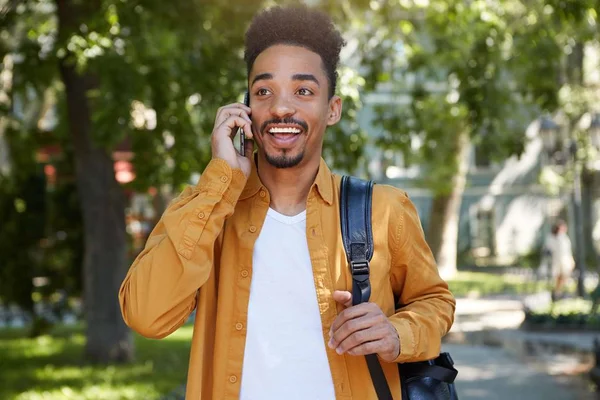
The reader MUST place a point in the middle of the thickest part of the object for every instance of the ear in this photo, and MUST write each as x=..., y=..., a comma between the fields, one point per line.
x=335, y=110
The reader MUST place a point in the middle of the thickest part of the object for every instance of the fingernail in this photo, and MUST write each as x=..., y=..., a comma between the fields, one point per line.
x=330, y=344
x=338, y=350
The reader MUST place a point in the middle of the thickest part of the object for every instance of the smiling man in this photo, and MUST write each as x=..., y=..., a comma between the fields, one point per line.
x=255, y=247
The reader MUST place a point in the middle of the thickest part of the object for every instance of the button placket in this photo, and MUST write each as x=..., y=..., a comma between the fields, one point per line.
x=321, y=260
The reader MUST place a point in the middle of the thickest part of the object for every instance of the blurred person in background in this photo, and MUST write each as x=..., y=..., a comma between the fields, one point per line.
x=562, y=263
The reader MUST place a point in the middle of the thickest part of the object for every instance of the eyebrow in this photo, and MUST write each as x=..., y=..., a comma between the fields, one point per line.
x=306, y=77
x=261, y=77
x=296, y=77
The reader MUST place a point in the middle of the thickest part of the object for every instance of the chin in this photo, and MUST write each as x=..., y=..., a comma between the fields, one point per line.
x=284, y=160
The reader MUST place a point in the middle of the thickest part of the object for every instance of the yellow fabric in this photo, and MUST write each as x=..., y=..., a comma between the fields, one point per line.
x=199, y=256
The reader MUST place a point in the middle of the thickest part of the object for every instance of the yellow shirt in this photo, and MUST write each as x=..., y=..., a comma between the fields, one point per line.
x=199, y=256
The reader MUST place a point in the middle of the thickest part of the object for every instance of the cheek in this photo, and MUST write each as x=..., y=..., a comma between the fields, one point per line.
x=319, y=125
x=256, y=124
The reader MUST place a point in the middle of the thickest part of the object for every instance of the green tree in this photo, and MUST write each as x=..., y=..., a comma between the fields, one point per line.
x=476, y=74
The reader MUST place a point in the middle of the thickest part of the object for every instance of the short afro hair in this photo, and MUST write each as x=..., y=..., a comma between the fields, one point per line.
x=298, y=26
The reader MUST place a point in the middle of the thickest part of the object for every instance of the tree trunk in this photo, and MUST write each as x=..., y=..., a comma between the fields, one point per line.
x=445, y=214
x=6, y=82
x=103, y=210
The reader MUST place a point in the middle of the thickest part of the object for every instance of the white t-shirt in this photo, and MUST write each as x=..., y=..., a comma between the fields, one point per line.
x=285, y=355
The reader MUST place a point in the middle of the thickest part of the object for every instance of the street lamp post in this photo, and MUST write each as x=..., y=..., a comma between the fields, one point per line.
x=594, y=130
x=580, y=248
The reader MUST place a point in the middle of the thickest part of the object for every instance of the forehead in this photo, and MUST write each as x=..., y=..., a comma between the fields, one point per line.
x=283, y=61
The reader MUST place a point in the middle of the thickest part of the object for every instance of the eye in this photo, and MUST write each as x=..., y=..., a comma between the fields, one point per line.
x=262, y=92
x=304, y=92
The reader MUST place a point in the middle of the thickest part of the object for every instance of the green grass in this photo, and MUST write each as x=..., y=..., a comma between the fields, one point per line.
x=482, y=284
x=570, y=313
x=51, y=367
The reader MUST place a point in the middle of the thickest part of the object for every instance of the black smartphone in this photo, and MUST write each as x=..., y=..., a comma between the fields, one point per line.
x=241, y=131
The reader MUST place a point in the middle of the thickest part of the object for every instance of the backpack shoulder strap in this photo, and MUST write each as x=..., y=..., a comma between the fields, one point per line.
x=357, y=235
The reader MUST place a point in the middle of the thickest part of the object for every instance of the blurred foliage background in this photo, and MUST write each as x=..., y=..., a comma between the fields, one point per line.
x=96, y=93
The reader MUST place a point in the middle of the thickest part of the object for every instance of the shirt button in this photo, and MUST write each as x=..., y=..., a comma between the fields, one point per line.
x=244, y=273
x=239, y=326
x=233, y=379
x=252, y=229
x=224, y=179
x=201, y=215
x=262, y=193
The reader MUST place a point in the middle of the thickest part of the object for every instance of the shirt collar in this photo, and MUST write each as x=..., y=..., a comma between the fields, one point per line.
x=323, y=182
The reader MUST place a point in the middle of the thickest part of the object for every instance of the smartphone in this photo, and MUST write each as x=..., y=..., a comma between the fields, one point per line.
x=241, y=131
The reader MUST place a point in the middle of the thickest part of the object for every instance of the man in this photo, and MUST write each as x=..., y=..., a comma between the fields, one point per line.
x=255, y=247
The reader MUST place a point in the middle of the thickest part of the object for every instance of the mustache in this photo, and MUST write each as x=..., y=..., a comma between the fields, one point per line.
x=285, y=121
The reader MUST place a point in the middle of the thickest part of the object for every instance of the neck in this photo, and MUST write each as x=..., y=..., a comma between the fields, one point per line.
x=288, y=187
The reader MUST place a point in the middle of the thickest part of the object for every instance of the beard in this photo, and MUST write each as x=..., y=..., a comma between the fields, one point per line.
x=284, y=160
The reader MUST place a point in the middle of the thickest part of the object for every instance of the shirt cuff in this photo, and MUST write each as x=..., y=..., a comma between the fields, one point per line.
x=407, y=340
x=218, y=177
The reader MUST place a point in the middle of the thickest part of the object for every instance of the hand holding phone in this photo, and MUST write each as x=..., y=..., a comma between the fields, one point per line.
x=229, y=120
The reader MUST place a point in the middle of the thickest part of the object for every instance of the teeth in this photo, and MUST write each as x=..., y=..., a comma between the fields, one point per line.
x=284, y=130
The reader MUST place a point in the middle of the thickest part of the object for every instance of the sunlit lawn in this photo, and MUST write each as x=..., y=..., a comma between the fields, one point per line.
x=486, y=284
x=50, y=367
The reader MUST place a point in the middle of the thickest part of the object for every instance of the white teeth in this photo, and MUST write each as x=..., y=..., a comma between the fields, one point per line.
x=284, y=130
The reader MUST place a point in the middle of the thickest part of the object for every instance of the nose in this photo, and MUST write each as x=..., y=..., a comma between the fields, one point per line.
x=282, y=107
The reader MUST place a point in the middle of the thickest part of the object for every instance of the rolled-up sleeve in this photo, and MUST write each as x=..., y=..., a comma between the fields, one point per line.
x=426, y=306
x=159, y=292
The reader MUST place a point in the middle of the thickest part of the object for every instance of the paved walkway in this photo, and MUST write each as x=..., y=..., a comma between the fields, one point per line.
x=502, y=317
x=519, y=365
x=492, y=373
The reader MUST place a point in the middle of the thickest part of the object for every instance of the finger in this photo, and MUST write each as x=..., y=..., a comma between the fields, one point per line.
x=234, y=109
x=348, y=314
x=222, y=117
x=249, y=148
x=352, y=326
x=372, y=334
x=241, y=105
x=248, y=131
x=364, y=349
x=343, y=297
x=228, y=111
x=234, y=105
x=230, y=124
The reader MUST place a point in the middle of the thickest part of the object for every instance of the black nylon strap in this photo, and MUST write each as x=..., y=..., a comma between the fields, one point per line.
x=431, y=371
x=357, y=235
x=378, y=377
